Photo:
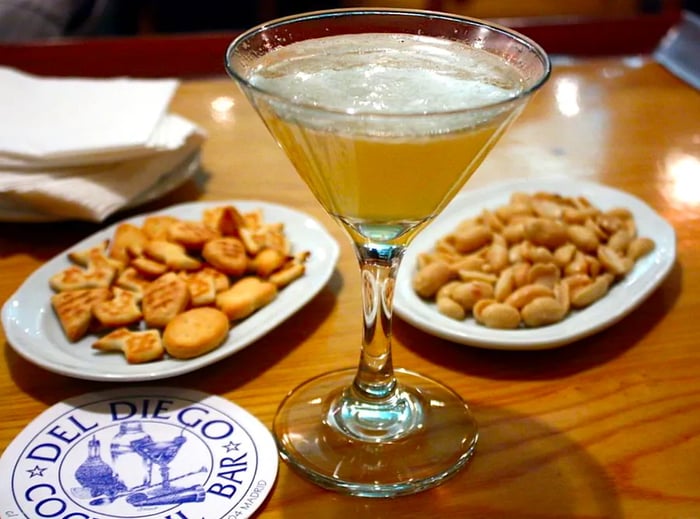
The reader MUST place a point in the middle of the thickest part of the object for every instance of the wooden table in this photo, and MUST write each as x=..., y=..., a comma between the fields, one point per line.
x=607, y=427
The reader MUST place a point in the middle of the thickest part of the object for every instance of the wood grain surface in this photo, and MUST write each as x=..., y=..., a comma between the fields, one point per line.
x=607, y=427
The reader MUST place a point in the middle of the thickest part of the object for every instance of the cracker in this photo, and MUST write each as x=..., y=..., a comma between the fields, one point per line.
x=204, y=285
x=226, y=254
x=226, y=220
x=74, y=310
x=291, y=271
x=191, y=235
x=267, y=261
x=137, y=346
x=96, y=257
x=121, y=310
x=132, y=279
x=171, y=254
x=163, y=299
x=148, y=267
x=78, y=278
x=128, y=241
x=245, y=297
x=195, y=332
x=155, y=227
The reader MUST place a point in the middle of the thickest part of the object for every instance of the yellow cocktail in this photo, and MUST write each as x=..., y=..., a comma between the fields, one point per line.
x=385, y=114
x=351, y=175
x=386, y=175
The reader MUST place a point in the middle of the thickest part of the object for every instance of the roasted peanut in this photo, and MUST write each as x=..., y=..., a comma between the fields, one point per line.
x=496, y=258
x=507, y=212
x=504, y=285
x=467, y=294
x=479, y=307
x=520, y=274
x=424, y=259
x=620, y=212
x=451, y=308
x=620, y=240
x=583, y=238
x=445, y=246
x=594, y=266
x=430, y=278
x=466, y=224
x=472, y=238
x=581, y=202
x=562, y=294
x=577, y=280
x=471, y=262
x=475, y=275
x=639, y=247
x=542, y=311
x=524, y=295
x=514, y=232
x=547, y=208
x=578, y=265
x=573, y=215
x=446, y=289
x=613, y=262
x=564, y=254
x=541, y=255
x=516, y=253
x=585, y=295
x=491, y=220
x=609, y=224
x=545, y=232
x=499, y=239
x=600, y=233
x=547, y=274
x=499, y=315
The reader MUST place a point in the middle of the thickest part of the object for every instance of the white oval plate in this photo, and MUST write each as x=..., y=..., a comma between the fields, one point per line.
x=624, y=297
x=33, y=330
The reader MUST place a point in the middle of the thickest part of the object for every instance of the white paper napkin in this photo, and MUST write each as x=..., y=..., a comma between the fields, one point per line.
x=43, y=118
x=680, y=48
x=73, y=148
x=95, y=192
x=168, y=133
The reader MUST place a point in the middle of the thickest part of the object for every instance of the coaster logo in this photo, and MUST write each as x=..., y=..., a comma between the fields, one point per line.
x=138, y=457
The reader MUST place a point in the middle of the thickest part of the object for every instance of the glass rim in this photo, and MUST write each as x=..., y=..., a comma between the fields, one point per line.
x=333, y=13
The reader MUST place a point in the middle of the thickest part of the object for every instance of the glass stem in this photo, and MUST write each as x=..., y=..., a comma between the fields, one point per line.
x=379, y=265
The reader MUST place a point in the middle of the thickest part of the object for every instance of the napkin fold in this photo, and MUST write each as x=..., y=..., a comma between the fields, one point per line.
x=678, y=51
x=75, y=148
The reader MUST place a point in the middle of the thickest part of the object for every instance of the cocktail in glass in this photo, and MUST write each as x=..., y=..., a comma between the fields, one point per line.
x=385, y=113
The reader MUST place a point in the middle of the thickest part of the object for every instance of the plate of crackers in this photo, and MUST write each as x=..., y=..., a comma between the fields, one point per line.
x=166, y=293
x=533, y=264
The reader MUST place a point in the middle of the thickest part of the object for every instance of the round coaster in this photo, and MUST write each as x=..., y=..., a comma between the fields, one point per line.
x=151, y=452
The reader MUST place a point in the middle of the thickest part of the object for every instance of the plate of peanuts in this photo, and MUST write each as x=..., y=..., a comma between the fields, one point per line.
x=533, y=264
x=166, y=293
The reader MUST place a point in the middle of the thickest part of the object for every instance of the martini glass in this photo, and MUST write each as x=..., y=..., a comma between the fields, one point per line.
x=385, y=113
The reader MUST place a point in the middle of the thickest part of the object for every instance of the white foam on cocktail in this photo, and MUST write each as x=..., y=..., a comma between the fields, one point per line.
x=386, y=73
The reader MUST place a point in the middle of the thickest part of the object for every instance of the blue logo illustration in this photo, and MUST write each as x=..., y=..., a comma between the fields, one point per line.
x=134, y=455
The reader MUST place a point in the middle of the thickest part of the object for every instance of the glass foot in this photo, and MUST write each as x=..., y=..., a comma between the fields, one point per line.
x=424, y=435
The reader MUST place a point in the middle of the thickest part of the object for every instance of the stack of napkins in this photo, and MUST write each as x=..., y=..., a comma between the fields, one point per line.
x=73, y=148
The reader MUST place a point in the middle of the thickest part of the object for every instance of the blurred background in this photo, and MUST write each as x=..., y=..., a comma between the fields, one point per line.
x=30, y=20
